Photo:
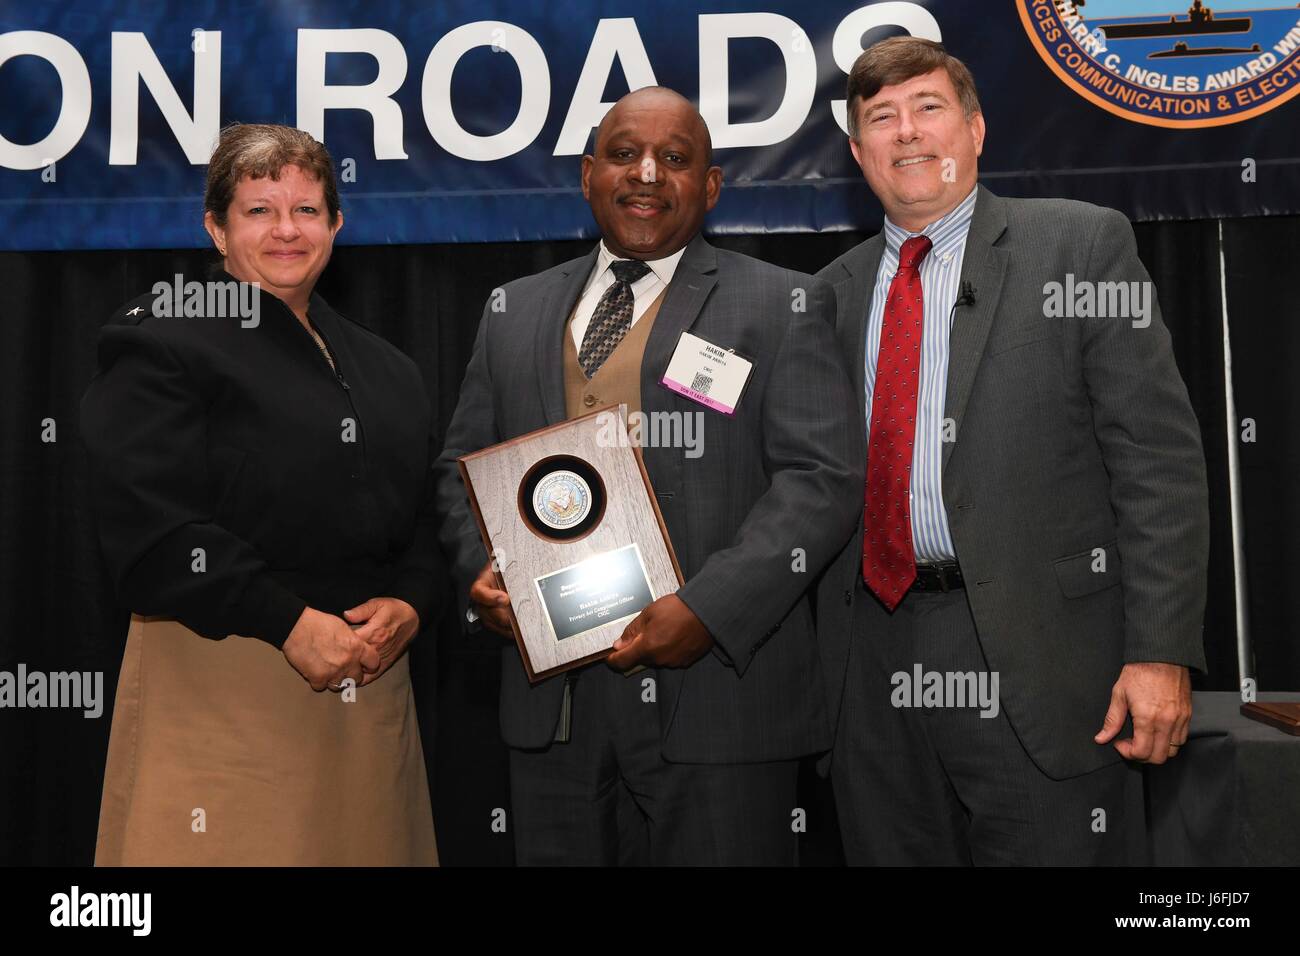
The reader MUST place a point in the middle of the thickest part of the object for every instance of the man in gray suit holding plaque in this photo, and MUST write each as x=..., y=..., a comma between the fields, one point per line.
x=694, y=759
x=1031, y=571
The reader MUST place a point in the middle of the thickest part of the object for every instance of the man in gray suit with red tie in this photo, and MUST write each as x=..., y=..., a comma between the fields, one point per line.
x=1031, y=568
x=693, y=760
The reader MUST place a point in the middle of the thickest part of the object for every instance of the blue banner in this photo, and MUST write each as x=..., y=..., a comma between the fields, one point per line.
x=465, y=121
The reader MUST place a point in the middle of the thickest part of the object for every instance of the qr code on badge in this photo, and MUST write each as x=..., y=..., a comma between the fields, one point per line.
x=702, y=383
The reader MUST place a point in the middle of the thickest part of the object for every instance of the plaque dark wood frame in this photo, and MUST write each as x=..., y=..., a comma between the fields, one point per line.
x=537, y=676
x=1285, y=716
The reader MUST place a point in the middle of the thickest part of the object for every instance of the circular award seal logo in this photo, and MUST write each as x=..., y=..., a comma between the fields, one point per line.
x=562, y=497
x=1153, y=62
x=561, y=500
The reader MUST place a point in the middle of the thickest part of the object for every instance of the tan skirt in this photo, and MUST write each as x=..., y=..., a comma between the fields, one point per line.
x=221, y=754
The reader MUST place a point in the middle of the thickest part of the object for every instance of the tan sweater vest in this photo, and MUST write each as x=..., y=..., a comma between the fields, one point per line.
x=618, y=380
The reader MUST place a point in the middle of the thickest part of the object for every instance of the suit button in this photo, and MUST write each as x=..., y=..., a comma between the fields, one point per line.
x=848, y=597
x=589, y=400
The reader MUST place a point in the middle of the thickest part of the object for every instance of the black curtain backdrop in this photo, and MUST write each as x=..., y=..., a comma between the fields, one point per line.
x=58, y=614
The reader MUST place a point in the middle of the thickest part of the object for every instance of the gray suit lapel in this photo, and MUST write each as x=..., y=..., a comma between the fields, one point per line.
x=983, y=266
x=853, y=292
x=853, y=296
x=693, y=280
x=552, y=325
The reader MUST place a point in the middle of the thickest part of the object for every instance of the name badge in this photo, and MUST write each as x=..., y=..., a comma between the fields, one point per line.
x=707, y=373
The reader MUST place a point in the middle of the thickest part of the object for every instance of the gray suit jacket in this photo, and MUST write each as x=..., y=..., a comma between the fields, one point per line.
x=1072, y=434
x=784, y=473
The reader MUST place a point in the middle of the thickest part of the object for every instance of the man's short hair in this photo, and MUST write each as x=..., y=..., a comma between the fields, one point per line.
x=899, y=59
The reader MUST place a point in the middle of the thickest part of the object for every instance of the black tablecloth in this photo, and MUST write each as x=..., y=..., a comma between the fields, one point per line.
x=1232, y=796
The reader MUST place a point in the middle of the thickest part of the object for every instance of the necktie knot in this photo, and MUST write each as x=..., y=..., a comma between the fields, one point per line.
x=629, y=270
x=913, y=251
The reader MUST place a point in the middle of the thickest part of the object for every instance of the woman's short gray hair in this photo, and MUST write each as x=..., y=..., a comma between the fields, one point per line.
x=260, y=151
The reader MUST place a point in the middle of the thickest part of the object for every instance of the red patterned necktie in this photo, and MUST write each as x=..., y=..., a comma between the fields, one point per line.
x=888, y=561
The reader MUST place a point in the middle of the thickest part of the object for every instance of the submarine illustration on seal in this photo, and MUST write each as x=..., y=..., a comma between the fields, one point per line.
x=1200, y=21
x=1181, y=49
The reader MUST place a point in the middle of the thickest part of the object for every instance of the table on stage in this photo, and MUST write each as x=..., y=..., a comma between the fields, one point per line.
x=1231, y=796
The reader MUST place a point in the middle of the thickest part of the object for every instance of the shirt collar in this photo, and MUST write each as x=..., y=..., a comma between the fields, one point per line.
x=662, y=268
x=945, y=234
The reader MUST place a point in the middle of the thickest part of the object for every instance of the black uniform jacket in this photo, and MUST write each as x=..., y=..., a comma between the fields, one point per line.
x=238, y=479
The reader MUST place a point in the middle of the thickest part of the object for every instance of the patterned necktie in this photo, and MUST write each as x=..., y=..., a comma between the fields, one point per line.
x=888, y=561
x=613, y=316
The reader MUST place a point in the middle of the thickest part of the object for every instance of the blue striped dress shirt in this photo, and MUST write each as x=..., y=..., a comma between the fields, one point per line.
x=940, y=279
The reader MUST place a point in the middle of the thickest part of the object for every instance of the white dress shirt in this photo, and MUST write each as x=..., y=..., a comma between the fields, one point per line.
x=940, y=280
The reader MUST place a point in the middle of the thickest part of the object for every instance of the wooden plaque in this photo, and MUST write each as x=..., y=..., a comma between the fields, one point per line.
x=1284, y=716
x=577, y=540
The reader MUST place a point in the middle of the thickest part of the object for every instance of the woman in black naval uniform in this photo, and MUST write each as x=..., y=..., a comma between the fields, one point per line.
x=262, y=487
